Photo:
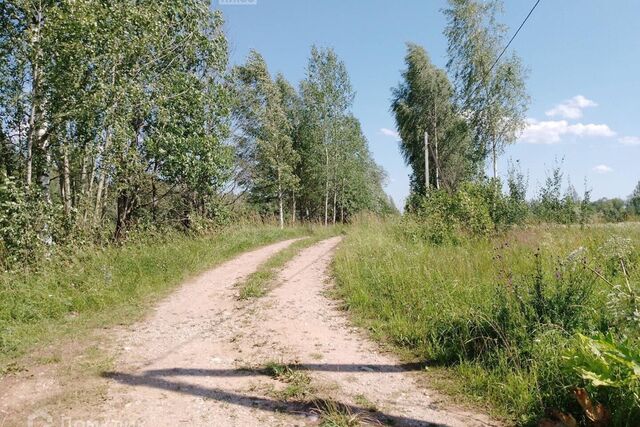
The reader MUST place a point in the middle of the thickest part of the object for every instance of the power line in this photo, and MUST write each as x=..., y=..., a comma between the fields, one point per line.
x=514, y=36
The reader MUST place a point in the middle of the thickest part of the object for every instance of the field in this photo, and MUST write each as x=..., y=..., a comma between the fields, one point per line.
x=501, y=317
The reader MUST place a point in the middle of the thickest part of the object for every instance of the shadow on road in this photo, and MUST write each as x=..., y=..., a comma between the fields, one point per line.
x=319, y=367
x=157, y=379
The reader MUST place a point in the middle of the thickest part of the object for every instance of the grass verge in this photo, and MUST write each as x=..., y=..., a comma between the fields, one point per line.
x=257, y=284
x=110, y=285
x=499, y=317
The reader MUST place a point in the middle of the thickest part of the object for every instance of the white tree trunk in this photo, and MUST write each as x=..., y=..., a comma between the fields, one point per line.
x=280, y=201
x=66, y=180
x=335, y=198
x=102, y=176
x=326, y=187
x=293, y=208
x=426, y=162
x=495, y=160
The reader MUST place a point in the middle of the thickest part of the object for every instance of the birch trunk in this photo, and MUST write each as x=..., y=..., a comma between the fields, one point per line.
x=293, y=208
x=335, y=199
x=280, y=201
x=326, y=187
x=36, y=130
x=342, y=203
x=435, y=146
x=66, y=181
x=102, y=176
x=495, y=160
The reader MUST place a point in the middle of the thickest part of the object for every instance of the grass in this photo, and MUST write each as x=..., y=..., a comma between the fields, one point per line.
x=336, y=414
x=489, y=314
x=300, y=389
x=257, y=284
x=298, y=383
x=109, y=285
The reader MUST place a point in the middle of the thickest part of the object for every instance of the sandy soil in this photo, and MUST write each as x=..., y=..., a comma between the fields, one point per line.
x=198, y=359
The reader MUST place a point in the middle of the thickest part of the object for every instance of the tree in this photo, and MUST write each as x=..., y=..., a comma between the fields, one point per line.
x=634, y=200
x=490, y=93
x=292, y=105
x=122, y=102
x=423, y=101
x=327, y=95
x=267, y=126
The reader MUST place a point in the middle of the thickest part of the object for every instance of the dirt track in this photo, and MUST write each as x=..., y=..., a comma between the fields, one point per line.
x=199, y=358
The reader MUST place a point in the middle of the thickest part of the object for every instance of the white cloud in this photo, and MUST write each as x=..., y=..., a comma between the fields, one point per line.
x=552, y=131
x=571, y=108
x=389, y=132
x=602, y=169
x=630, y=140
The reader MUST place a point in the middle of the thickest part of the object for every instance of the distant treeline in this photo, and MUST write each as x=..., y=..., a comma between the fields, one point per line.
x=471, y=111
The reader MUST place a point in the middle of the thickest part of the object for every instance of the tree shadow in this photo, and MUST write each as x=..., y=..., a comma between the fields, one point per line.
x=156, y=379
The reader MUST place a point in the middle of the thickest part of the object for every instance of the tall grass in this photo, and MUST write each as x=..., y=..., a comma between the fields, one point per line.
x=109, y=285
x=498, y=313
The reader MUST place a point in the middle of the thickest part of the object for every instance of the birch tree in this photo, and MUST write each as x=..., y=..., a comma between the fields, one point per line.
x=423, y=102
x=489, y=91
x=327, y=96
x=268, y=128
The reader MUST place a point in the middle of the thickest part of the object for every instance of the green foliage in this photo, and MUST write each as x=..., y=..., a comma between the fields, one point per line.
x=611, y=366
x=491, y=93
x=266, y=133
x=634, y=200
x=28, y=225
x=123, y=102
x=423, y=102
x=107, y=285
x=611, y=210
x=501, y=313
x=603, y=361
x=474, y=209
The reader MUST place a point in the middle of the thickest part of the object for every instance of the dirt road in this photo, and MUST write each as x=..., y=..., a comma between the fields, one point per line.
x=291, y=358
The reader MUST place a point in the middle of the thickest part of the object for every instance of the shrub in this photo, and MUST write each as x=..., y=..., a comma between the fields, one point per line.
x=446, y=218
x=28, y=226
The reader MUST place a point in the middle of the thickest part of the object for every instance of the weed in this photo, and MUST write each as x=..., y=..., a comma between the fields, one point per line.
x=336, y=414
x=362, y=400
x=298, y=383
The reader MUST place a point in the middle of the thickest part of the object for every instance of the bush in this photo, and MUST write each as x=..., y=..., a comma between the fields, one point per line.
x=28, y=226
x=447, y=218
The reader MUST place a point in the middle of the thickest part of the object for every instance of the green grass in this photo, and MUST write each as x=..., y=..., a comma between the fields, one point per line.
x=103, y=286
x=257, y=284
x=298, y=383
x=473, y=310
x=336, y=414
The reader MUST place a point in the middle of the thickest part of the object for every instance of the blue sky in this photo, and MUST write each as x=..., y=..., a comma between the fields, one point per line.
x=582, y=55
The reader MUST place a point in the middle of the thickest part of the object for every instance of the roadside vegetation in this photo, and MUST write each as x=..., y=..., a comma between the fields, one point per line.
x=521, y=319
x=107, y=285
x=530, y=304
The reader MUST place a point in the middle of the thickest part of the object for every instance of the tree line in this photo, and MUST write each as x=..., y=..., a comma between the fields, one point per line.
x=471, y=110
x=117, y=116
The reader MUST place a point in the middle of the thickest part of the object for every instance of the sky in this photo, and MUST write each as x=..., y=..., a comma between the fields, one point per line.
x=583, y=75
